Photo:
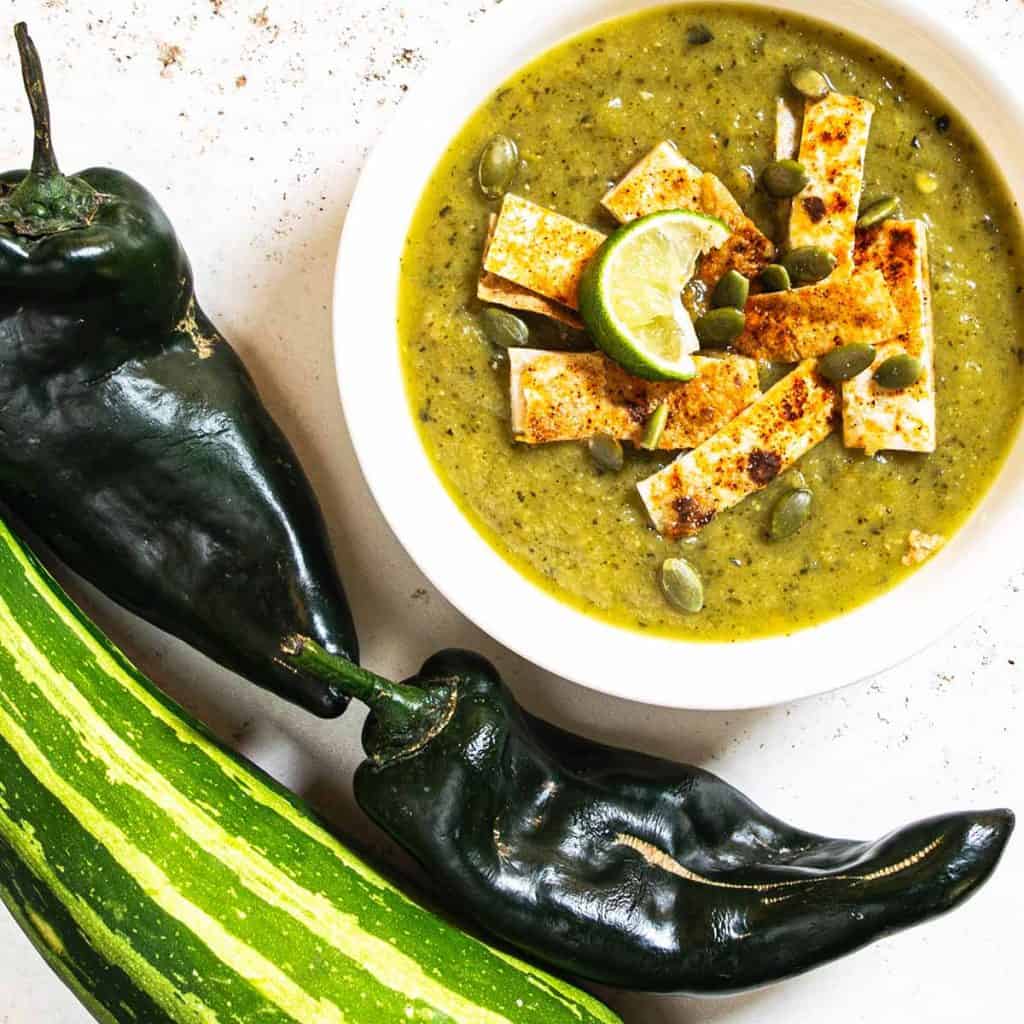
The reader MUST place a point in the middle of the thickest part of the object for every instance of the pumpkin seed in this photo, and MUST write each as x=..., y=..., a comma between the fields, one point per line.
x=720, y=327
x=770, y=373
x=775, y=278
x=808, y=264
x=503, y=328
x=784, y=178
x=791, y=511
x=877, y=211
x=731, y=291
x=655, y=427
x=845, y=362
x=606, y=453
x=681, y=585
x=899, y=372
x=809, y=82
x=499, y=162
x=699, y=35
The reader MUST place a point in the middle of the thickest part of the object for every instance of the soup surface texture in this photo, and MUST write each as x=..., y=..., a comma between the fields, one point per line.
x=581, y=115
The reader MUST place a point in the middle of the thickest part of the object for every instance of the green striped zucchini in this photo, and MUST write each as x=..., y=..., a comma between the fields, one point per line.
x=166, y=880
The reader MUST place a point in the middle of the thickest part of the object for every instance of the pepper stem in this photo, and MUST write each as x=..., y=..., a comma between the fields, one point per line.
x=44, y=163
x=403, y=718
x=44, y=202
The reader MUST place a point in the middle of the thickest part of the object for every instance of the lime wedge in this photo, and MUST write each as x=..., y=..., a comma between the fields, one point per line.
x=631, y=292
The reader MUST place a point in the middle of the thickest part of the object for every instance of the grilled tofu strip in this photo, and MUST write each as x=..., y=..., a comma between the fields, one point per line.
x=540, y=250
x=874, y=418
x=833, y=142
x=665, y=180
x=789, y=326
x=494, y=289
x=567, y=396
x=744, y=456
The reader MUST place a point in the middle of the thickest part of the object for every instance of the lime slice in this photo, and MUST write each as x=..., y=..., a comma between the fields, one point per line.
x=631, y=292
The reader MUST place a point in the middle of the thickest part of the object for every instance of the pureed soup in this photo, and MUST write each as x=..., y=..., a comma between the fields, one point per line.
x=581, y=115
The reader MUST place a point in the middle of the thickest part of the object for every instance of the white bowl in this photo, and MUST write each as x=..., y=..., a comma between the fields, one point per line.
x=455, y=557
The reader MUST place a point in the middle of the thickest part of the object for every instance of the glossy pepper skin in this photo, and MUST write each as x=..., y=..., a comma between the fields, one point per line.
x=624, y=868
x=132, y=439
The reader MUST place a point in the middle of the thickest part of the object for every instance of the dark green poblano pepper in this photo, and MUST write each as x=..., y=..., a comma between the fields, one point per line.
x=132, y=439
x=624, y=868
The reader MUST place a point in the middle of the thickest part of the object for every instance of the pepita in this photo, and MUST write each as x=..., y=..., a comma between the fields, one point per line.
x=655, y=427
x=770, y=373
x=720, y=328
x=775, y=278
x=790, y=513
x=845, y=362
x=606, y=452
x=504, y=329
x=731, y=291
x=899, y=372
x=809, y=82
x=784, y=178
x=681, y=585
x=808, y=264
x=699, y=35
x=877, y=211
x=499, y=161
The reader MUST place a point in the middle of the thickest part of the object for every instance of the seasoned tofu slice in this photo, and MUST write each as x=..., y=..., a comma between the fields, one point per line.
x=745, y=455
x=540, y=250
x=567, y=396
x=833, y=142
x=494, y=289
x=789, y=326
x=665, y=180
x=873, y=418
x=662, y=180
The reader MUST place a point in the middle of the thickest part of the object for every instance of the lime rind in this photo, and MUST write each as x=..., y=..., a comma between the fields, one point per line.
x=631, y=292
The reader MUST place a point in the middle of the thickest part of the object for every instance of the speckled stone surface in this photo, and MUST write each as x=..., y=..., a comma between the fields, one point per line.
x=251, y=123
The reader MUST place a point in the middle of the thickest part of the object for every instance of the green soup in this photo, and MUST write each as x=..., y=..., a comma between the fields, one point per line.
x=581, y=115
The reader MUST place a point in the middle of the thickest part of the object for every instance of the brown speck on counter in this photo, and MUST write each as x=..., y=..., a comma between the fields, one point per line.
x=170, y=58
x=261, y=19
x=241, y=81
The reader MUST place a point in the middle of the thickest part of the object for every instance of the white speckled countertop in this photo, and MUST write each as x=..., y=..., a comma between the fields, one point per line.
x=251, y=122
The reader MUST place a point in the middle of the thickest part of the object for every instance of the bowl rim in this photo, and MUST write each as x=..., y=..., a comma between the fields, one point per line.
x=463, y=566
